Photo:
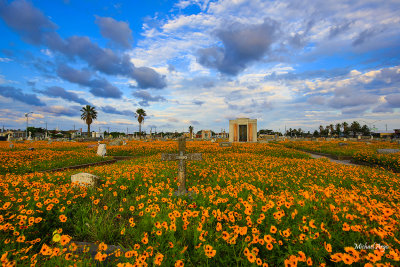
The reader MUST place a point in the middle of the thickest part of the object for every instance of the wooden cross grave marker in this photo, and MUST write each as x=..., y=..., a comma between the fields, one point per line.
x=182, y=157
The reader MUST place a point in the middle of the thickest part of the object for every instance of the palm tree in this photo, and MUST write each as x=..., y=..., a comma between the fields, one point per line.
x=345, y=128
x=89, y=114
x=338, y=127
x=140, y=114
x=191, y=131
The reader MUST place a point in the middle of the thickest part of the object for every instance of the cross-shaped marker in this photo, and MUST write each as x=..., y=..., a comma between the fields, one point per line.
x=182, y=157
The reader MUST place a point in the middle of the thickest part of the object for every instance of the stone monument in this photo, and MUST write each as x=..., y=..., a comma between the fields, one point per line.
x=243, y=130
x=101, y=150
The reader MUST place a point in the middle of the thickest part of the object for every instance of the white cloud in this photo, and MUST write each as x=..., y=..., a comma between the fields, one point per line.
x=5, y=59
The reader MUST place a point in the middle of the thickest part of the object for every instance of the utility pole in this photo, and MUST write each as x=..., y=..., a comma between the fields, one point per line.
x=386, y=127
x=27, y=121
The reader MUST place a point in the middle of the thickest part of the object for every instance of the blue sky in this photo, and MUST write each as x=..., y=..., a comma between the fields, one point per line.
x=200, y=63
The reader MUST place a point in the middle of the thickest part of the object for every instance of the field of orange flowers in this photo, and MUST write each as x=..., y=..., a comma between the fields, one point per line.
x=251, y=204
x=40, y=156
x=364, y=152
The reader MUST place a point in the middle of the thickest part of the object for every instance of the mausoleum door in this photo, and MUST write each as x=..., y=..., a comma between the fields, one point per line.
x=242, y=133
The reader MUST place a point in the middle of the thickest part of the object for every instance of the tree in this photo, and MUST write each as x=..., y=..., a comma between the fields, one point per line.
x=316, y=133
x=191, y=131
x=345, y=128
x=355, y=128
x=338, y=126
x=365, y=130
x=140, y=114
x=89, y=114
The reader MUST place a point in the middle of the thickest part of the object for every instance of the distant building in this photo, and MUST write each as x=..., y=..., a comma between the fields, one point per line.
x=206, y=134
x=243, y=130
x=385, y=134
x=222, y=134
x=15, y=133
x=98, y=135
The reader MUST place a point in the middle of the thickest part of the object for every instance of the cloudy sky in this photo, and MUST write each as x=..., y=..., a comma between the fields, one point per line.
x=200, y=63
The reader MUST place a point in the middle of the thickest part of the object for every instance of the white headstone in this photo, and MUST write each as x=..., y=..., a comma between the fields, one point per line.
x=9, y=138
x=101, y=150
x=30, y=137
x=84, y=179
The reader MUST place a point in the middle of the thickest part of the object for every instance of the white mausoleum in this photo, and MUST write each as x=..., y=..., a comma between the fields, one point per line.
x=243, y=130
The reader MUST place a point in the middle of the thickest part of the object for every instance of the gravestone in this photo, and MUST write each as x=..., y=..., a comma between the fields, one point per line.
x=101, y=150
x=387, y=151
x=213, y=140
x=124, y=143
x=182, y=157
x=11, y=145
x=115, y=143
x=9, y=138
x=29, y=137
x=84, y=179
x=225, y=144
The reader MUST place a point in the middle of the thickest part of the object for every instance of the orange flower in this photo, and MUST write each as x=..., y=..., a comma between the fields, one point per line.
x=68, y=256
x=251, y=257
x=158, y=259
x=64, y=240
x=347, y=259
x=243, y=230
x=100, y=257
x=21, y=239
x=336, y=257
x=328, y=247
x=102, y=246
x=302, y=256
x=179, y=263
x=63, y=218
x=219, y=227
x=46, y=250
x=273, y=229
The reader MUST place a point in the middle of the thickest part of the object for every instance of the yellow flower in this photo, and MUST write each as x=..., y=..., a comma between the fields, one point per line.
x=56, y=238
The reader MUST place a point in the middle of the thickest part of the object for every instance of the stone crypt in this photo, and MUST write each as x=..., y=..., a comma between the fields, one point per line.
x=243, y=130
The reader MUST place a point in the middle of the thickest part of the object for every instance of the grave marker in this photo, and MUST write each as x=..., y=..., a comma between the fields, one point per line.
x=387, y=151
x=182, y=157
x=84, y=179
x=226, y=144
x=101, y=150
